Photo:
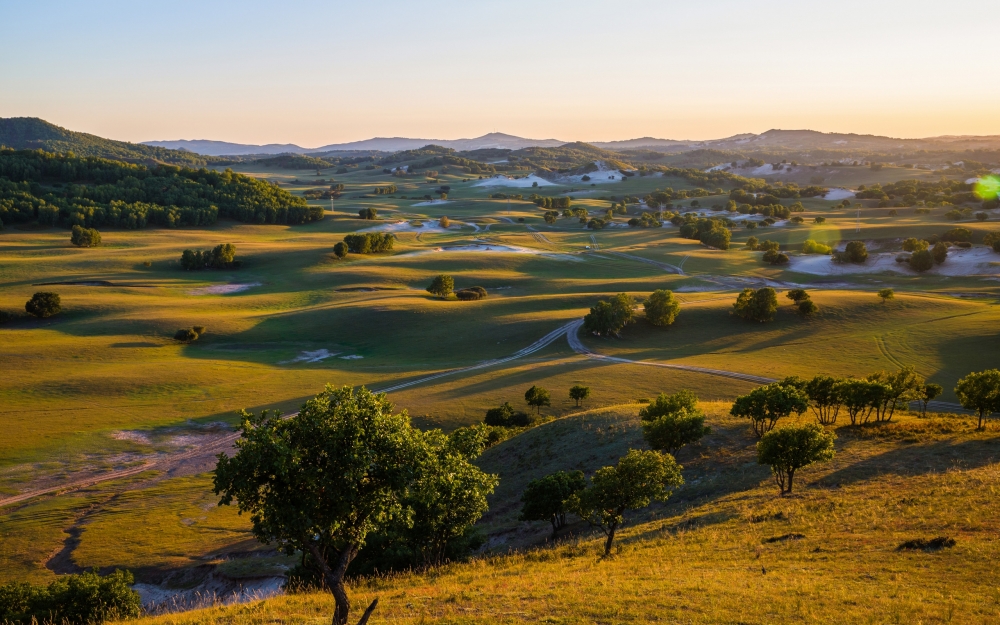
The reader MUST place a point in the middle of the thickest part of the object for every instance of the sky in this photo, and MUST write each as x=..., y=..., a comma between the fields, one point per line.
x=314, y=73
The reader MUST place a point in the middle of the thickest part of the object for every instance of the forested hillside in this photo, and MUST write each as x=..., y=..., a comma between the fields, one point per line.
x=67, y=190
x=31, y=133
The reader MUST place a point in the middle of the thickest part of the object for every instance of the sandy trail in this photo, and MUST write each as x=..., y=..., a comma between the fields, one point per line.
x=664, y=266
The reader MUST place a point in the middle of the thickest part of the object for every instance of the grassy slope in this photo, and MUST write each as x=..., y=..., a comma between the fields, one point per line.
x=107, y=363
x=716, y=553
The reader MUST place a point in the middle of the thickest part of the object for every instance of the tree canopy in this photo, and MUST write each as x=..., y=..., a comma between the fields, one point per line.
x=610, y=316
x=790, y=448
x=756, y=305
x=766, y=404
x=547, y=498
x=639, y=478
x=661, y=308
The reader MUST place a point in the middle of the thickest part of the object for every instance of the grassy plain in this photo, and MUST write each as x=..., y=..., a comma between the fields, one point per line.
x=78, y=387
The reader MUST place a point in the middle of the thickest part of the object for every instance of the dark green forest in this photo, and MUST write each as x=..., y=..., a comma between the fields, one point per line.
x=67, y=190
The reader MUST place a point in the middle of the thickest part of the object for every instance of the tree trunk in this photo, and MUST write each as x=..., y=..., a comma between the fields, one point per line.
x=611, y=539
x=791, y=474
x=335, y=580
x=980, y=419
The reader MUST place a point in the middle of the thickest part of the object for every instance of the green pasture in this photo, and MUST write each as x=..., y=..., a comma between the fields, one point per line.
x=108, y=362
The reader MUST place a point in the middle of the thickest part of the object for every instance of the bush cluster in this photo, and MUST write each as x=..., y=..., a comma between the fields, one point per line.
x=369, y=242
x=222, y=256
x=83, y=599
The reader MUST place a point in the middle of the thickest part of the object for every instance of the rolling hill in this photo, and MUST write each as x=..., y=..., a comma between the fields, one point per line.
x=30, y=133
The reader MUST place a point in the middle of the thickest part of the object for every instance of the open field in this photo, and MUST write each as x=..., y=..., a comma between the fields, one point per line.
x=103, y=386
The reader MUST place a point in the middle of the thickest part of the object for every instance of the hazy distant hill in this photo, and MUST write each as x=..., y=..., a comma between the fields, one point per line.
x=381, y=144
x=225, y=148
x=28, y=133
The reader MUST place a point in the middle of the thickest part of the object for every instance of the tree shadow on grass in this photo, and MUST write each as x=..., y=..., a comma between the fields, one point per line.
x=913, y=460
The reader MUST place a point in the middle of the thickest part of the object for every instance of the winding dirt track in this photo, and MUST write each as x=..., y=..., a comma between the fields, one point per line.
x=570, y=330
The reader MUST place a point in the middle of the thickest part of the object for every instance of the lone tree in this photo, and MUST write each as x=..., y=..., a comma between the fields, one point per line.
x=85, y=237
x=766, y=404
x=579, y=393
x=855, y=252
x=321, y=480
x=790, y=448
x=759, y=305
x=537, y=396
x=442, y=286
x=610, y=317
x=980, y=392
x=797, y=295
x=547, y=499
x=340, y=250
x=927, y=395
x=639, y=478
x=940, y=252
x=672, y=421
x=886, y=295
x=661, y=308
x=43, y=305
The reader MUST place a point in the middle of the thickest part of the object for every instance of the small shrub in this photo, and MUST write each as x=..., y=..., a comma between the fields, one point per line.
x=807, y=307
x=886, y=295
x=471, y=294
x=186, y=335
x=370, y=213
x=855, y=252
x=759, y=305
x=940, y=252
x=340, y=250
x=774, y=257
x=797, y=295
x=43, y=305
x=812, y=247
x=921, y=544
x=914, y=245
x=506, y=417
x=84, y=599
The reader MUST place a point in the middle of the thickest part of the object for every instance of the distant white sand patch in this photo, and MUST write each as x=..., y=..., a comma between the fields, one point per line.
x=603, y=175
x=719, y=167
x=838, y=194
x=406, y=226
x=132, y=437
x=506, y=181
x=978, y=261
x=307, y=357
x=501, y=249
x=433, y=203
x=351, y=357
x=223, y=289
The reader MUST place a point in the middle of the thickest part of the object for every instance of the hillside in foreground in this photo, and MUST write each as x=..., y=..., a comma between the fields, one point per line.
x=726, y=548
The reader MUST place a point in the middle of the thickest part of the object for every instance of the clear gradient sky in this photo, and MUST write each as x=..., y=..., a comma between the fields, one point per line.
x=314, y=73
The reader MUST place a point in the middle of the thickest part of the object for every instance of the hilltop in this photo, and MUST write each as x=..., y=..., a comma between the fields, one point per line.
x=32, y=133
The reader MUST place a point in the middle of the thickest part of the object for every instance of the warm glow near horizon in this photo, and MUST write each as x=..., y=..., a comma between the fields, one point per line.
x=315, y=73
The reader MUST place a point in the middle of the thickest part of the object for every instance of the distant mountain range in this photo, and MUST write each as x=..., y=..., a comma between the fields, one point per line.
x=799, y=140
x=382, y=144
x=34, y=133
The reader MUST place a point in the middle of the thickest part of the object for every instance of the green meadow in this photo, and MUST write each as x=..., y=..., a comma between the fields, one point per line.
x=103, y=385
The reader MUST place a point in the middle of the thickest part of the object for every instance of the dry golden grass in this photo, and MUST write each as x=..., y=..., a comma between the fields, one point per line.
x=727, y=549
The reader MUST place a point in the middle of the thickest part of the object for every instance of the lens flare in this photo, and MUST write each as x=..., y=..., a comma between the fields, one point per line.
x=988, y=188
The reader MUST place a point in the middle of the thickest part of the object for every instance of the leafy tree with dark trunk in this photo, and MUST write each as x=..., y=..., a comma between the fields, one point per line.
x=886, y=295
x=661, y=308
x=860, y=398
x=788, y=449
x=855, y=252
x=537, y=397
x=43, y=305
x=940, y=252
x=759, y=305
x=546, y=499
x=579, y=393
x=980, y=391
x=322, y=480
x=672, y=421
x=928, y=393
x=505, y=416
x=766, y=404
x=639, y=478
x=610, y=317
x=901, y=387
x=825, y=398
x=442, y=286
